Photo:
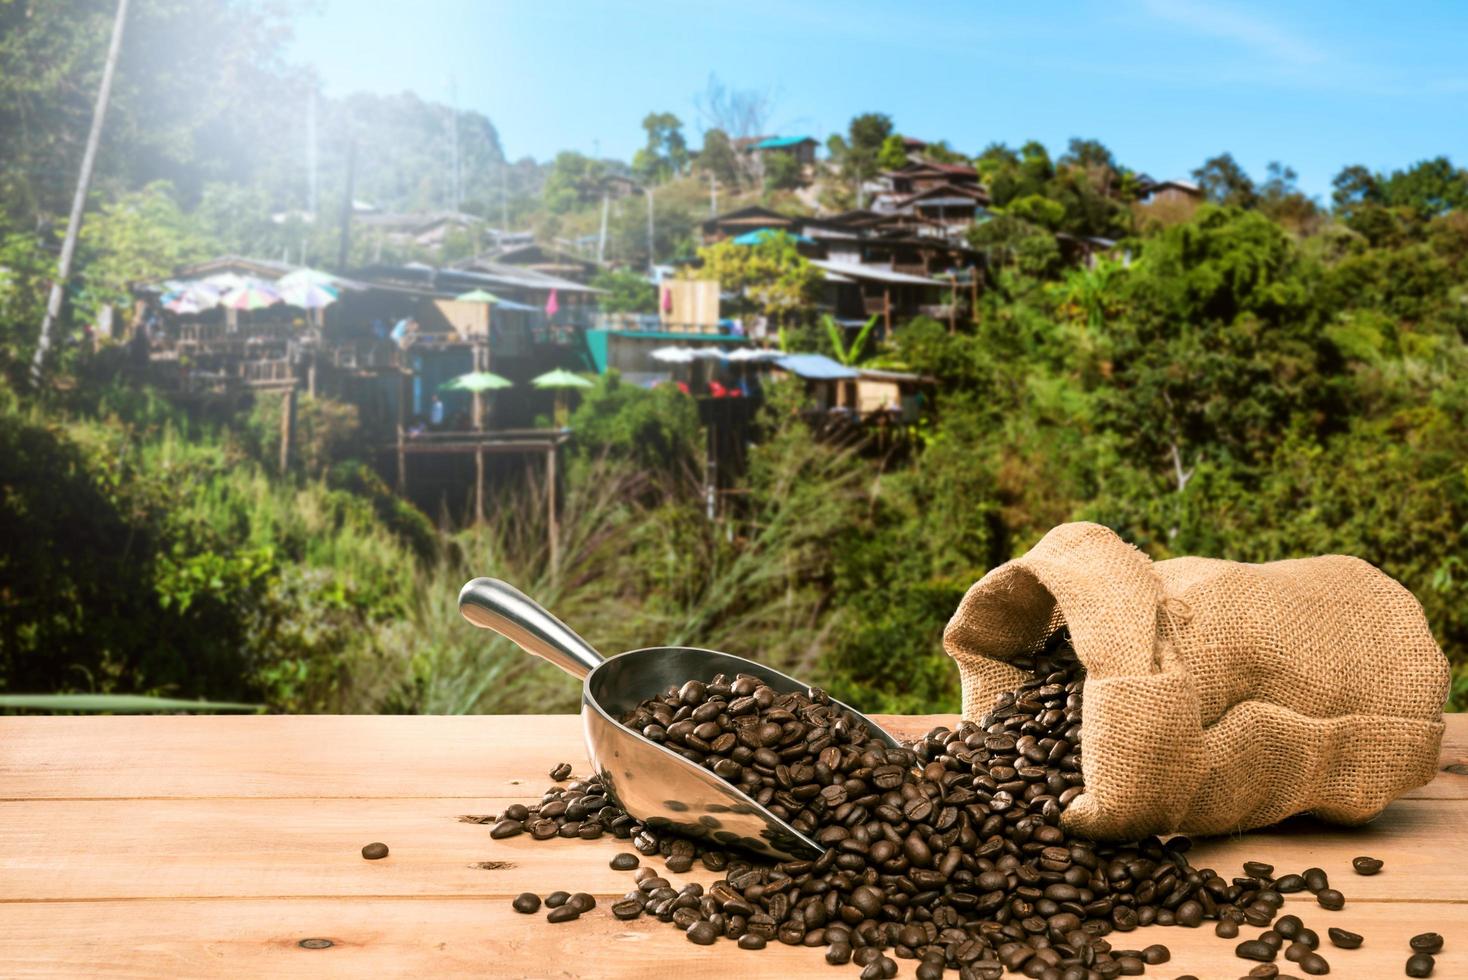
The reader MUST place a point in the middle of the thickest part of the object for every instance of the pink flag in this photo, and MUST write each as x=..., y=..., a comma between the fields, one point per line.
x=667, y=300
x=551, y=306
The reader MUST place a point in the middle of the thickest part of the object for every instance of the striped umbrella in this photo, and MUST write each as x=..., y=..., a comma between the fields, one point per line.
x=250, y=296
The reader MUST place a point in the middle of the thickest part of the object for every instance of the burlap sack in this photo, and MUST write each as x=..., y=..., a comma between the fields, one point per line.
x=1220, y=696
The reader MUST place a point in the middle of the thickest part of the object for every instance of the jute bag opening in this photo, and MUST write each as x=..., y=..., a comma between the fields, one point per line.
x=1220, y=696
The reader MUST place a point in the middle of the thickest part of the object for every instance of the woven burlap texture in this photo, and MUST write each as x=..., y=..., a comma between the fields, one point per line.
x=1220, y=696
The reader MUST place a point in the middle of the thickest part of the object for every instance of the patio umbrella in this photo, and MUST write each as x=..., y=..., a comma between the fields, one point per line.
x=478, y=296
x=561, y=381
x=672, y=355
x=560, y=378
x=476, y=381
x=250, y=296
x=224, y=281
x=311, y=277
x=308, y=295
x=191, y=297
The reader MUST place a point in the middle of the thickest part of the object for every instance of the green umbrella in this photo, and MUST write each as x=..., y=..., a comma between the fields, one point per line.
x=476, y=381
x=478, y=296
x=560, y=379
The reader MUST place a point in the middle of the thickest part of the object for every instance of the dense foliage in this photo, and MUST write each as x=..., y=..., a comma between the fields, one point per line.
x=1261, y=377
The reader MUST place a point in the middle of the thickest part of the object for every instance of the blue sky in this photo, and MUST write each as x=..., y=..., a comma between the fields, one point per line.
x=1164, y=83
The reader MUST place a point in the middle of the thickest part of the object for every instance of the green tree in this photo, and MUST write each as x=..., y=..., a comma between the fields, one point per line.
x=1223, y=181
x=772, y=276
x=140, y=236
x=782, y=171
x=718, y=158
x=625, y=291
x=857, y=153
x=574, y=181
x=893, y=154
x=665, y=153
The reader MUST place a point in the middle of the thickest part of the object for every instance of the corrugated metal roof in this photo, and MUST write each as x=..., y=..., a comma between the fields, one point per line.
x=815, y=367
x=871, y=273
x=777, y=142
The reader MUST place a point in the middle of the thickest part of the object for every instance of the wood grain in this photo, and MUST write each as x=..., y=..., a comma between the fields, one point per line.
x=211, y=846
x=449, y=937
x=351, y=756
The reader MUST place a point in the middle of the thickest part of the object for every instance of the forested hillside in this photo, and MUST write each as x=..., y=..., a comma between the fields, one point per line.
x=1265, y=376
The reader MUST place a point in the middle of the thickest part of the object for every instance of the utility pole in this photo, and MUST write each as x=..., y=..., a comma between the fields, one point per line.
x=601, y=241
x=651, y=255
x=504, y=200
x=344, y=249
x=79, y=201
x=454, y=109
x=311, y=153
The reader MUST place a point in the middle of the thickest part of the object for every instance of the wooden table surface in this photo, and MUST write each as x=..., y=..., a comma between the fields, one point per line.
x=211, y=846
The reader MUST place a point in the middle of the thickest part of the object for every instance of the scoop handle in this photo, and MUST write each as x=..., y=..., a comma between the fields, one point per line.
x=499, y=606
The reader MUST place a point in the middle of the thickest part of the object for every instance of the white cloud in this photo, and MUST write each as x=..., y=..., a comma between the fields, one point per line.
x=1230, y=24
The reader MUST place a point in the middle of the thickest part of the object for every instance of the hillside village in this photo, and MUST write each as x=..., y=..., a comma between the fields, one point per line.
x=399, y=330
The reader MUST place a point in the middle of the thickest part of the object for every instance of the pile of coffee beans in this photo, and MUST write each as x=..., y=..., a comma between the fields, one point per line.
x=948, y=851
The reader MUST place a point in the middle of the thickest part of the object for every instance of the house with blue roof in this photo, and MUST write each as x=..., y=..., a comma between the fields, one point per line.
x=759, y=148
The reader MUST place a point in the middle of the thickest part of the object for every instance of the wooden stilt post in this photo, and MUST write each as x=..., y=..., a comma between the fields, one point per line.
x=551, y=528
x=887, y=310
x=952, y=303
x=311, y=376
x=479, y=485
x=403, y=388
x=287, y=426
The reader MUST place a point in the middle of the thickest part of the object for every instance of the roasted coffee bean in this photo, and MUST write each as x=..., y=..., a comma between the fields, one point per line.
x=1420, y=965
x=506, y=828
x=1367, y=865
x=703, y=933
x=1272, y=938
x=627, y=908
x=838, y=954
x=1253, y=949
x=679, y=863
x=1308, y=937
x=526, y=903
x=1296, y=952
x=1314, y=964
x=1315, y=879
x=556, y=899
x=1344, y=939
x=1226, y=929
x=1331, y=899
x=751, y=940
x=375, y=851
x=1426, y=942
x=1156, y=953
x=565, y=913
x=1288, y=926
x=1289, y=883
x=1258, y=869
x=561, y=772
x=1266, y=971
x=582, y=902
x=624, y=862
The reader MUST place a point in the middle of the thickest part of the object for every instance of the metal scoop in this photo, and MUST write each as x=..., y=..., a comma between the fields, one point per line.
x=653, y=783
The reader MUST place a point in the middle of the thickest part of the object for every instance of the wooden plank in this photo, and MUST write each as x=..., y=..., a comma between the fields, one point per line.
x=76, y=849
x=447, y=937
x=356, y=756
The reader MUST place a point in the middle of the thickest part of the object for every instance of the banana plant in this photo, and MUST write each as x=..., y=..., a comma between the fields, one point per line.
x=847, y=355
